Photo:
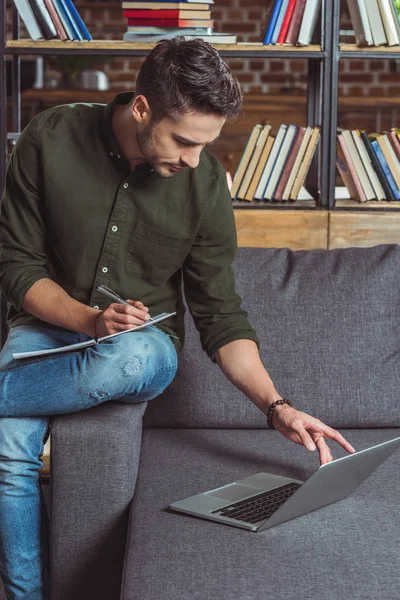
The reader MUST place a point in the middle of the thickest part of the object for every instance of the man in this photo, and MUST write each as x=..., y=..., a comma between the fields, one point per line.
x=126, y=195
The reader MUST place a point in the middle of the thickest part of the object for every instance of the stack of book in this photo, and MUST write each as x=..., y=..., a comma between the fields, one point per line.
x=375, y=22
x=274, y=168
x=292, y=22
x=153, y=20
x=47, y=19
x=369, y=164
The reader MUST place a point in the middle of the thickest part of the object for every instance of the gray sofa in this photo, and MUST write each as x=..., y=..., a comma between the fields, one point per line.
x=329, y=325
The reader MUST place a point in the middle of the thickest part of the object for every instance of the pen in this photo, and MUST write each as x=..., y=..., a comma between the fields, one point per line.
x=103, y=289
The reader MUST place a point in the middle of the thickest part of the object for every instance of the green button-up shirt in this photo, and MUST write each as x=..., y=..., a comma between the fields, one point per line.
x=72, y=211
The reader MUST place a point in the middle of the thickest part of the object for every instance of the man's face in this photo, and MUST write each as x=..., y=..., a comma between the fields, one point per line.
x=170, y=145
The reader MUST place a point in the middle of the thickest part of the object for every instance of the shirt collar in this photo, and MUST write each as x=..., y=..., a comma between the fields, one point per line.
x=107, y=133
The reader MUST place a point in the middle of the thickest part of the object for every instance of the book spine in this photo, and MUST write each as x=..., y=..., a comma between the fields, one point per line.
x=26, y=14
x=170, y=23
x=295, y=23
x=309, y=21
x=78, y=20
x=276, y=174
x=245, y=160
x=77, y=34
x=352, y=169
x=167, y=14
x=388, y=22
x=279, y=21
x=64, y=20
x=376, y=186
x=395, y=143
x=289, y=164
x=301, y=177
x=359, y=19
x=286, y=22
x=43, y=18
x=56, y=20
x=377, y=166
x=385, y=168
x=375, y=21
x=272, y=22
x=345, y=174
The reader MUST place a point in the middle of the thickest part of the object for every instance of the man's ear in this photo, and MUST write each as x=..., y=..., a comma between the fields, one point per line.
x=141, y=110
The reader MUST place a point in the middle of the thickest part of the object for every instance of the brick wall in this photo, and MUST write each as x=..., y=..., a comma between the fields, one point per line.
x=246, y=18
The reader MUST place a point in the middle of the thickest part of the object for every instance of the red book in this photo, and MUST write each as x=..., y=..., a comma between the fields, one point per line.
x=286, y=22
x=171, y=22
x=295, y=23
x=167, y=14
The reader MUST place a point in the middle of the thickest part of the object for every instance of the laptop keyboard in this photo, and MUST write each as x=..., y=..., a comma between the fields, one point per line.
x=259, y=507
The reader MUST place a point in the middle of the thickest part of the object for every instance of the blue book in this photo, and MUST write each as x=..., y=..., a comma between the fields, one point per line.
x=78, y=20
x=71, y=20
x=272, y=21
x=279, y=21
x=63, y=18
x=385, y=168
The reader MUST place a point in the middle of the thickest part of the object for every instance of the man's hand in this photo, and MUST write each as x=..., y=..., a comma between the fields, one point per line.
x=307, y=431
x=119, y=317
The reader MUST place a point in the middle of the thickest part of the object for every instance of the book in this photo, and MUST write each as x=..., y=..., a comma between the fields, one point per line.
x=376, y=24
x=56, y=20
x=305, y=165
x=289, y=163
x=43, y=18
x=260, y=167
x=26, y=14
x=395, y=17
x=277, y=170
x=297, y=163
x=173, y=31
x=378, y=190
x=358, y=165
x=70, y=18
x=377, y=166
x=200, y=4
x=389, y=155
x=272, y=21
x=385, y=168
x=279, y=21
x=262, y=186
x=64, y=19
x=212, y=38
x=350, y=164
x=360, y=22
x=286, y=22
x=171, y=22
x=167, y=14
x=309, y=21
x=388, y=22
x=245, y=159
x=345, y=174
x=78, y=20
x=260, y=143
x=394, y=140
x=295, y=23
x=92, y=342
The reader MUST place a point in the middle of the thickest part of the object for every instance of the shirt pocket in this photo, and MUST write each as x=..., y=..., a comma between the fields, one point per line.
x=153, y=255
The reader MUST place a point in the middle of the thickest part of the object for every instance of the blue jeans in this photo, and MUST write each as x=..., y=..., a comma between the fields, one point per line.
x=134, y=367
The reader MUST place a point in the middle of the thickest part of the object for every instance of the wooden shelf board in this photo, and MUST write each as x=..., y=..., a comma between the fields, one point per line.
x=297, y=205
x=119, y=46
x=353, y=204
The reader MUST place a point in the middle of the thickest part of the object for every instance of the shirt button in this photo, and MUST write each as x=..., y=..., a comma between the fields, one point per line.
x=111, y=153
x=118, y=156
x=114, y=228
x=97, y=307
x=125, y=185
x=105, y=270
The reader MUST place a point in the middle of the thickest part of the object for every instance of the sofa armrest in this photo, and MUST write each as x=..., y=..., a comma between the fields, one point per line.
x=94, y=462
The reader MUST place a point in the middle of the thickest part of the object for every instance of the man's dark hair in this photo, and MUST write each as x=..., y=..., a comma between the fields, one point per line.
x=182, y=75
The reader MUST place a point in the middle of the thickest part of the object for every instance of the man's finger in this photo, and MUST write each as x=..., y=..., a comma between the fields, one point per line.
x=305, y=437
x=337, y=437
x=325, y=455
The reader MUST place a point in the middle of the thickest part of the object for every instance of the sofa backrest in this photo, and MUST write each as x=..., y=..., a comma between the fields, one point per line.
x=328, y=322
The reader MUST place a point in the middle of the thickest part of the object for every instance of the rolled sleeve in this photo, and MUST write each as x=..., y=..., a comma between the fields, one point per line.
x=23, y=259
x=209, y=280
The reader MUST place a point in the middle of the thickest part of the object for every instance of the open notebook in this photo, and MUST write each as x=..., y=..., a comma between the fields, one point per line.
x=92, y=342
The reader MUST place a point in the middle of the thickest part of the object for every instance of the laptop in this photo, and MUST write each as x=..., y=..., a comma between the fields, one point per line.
x=264, y=500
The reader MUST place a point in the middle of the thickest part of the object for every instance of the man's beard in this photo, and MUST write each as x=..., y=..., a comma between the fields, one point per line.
x=147, y=147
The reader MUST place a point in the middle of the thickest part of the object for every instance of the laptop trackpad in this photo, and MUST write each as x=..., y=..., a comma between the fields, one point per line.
x=232, y=492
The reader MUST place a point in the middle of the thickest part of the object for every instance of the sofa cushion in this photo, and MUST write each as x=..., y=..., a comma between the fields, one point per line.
x=328, y=322
x=349, y=549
